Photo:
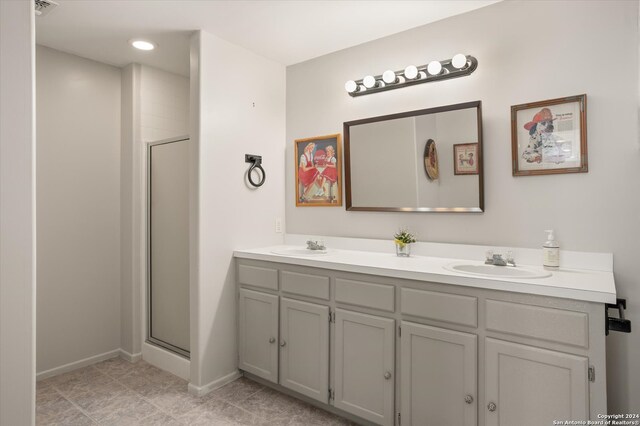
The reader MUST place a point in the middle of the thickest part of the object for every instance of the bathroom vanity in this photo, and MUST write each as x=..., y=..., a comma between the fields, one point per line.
x=399, y=340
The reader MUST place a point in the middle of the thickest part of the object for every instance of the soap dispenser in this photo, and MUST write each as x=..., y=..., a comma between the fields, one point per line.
x=551, y=251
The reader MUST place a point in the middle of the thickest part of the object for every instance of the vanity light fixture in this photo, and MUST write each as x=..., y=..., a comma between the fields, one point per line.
x=142, y=44
x=459, y=61
x=411, y=72
x=458, y=66
x=389, y=77
x=351, y=86
x=434, y=68
x=369, y=82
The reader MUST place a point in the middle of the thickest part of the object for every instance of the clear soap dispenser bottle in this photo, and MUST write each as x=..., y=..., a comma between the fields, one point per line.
x=551, y=251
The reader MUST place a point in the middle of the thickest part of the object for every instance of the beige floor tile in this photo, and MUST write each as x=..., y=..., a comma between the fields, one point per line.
x=96, y=399
x=149, y=380
x=236, y=391
x=218, y=412
x=174, y=400
x=78, y=381
x=269, y=403
x=123, y=409
x=116, y=392
x=46, y=395
x=159, y=419
x=59, y=411
x=116, y=367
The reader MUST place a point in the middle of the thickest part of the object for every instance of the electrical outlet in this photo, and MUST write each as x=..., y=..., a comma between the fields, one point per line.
x=278, y=225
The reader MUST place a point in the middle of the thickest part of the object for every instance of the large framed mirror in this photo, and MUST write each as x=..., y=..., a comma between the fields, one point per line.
x=428, y=160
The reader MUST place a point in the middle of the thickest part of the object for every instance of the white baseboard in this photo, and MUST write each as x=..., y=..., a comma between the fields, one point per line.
x=78, y=364
x=218, y=383
x=167, y=361
x=130, y=357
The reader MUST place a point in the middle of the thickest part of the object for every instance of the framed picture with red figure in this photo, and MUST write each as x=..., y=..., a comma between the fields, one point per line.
x=318, y=166
x=549, y=137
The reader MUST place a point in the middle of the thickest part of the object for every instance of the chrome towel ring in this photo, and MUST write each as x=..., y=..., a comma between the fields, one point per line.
x=256, y=163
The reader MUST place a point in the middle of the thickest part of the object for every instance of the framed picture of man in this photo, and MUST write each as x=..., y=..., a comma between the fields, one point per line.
x=318, y=166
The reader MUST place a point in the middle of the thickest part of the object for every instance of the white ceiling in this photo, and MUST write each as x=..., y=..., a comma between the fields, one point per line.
x=284, y=31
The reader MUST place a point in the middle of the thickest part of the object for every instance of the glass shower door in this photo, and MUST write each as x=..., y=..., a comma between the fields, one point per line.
x=168, y=245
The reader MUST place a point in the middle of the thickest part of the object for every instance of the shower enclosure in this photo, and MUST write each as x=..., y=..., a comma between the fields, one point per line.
x=168, y=244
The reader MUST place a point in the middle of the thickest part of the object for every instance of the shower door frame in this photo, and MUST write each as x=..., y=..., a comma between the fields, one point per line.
x=150, y=339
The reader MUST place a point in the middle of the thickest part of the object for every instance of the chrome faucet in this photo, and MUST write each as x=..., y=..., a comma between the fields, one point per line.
x=314, y=245
x=498, y=260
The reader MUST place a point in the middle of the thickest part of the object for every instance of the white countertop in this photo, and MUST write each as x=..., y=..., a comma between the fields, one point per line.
x=576, y=284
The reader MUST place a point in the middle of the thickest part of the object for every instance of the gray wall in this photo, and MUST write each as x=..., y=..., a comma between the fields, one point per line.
x=371, y=144
x=526, y=53
x=245, y=115
x=17, y=214
x=78, y=208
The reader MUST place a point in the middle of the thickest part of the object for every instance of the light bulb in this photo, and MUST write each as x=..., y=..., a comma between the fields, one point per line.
x=351, y=86
x=389, y=77
x=369, y=82
x=434, y=67
x=411, y=72
x=142, y=44
x=459, y=61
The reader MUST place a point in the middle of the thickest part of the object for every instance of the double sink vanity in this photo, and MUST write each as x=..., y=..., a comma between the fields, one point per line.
x=439, y=338
x=391, y=340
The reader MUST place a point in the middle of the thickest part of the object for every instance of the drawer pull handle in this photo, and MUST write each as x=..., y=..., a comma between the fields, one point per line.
x=283, y=344
x=272, y=340
x=468, y=399
x=492, y=406
x=387, y=375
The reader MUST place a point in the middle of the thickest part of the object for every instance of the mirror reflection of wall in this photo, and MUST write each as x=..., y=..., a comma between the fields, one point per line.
x=387, y=168
x=447, y=129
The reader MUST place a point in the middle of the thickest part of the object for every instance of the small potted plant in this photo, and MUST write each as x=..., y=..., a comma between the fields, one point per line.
x=403, y=240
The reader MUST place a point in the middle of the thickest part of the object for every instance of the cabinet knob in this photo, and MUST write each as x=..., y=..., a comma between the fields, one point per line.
x=283, y=344
x=468, y=399
x=492, y=406
x=272, y=340
x=387, y=375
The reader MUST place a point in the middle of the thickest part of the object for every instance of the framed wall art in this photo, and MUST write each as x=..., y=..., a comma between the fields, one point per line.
x=318, y=166
x=465, y=159
x=549, y=137
x=431, y=160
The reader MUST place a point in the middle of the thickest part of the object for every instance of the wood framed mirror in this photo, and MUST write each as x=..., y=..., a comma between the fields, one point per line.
x=411, y=161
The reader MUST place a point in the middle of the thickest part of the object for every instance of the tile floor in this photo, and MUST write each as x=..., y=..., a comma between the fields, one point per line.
x=117, y=392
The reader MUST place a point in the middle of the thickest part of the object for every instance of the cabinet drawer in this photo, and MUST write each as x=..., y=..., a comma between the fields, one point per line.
x=446, y=307
x=258, y=277
x=305, y=284
x=369, y=295
x=553, y=325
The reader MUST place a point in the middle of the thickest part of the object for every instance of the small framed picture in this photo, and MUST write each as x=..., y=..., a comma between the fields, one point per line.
x=549, y=137
x=431, y=160
x=318, y=165
x=465, y=159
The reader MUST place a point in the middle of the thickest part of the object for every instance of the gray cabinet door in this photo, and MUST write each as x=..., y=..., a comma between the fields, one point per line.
x=258, y=334
x=525, y=385
x=439, y=370
x=364, y=366
x=304, y=348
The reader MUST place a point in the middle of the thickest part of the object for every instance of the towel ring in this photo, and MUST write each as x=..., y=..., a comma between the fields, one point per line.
x=256, y=163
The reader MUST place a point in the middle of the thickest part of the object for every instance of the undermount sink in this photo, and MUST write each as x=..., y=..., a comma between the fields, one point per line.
x=298, y=251
x=496, y=271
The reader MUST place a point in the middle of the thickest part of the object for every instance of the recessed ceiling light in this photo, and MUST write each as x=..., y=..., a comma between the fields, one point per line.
x=142, y=44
